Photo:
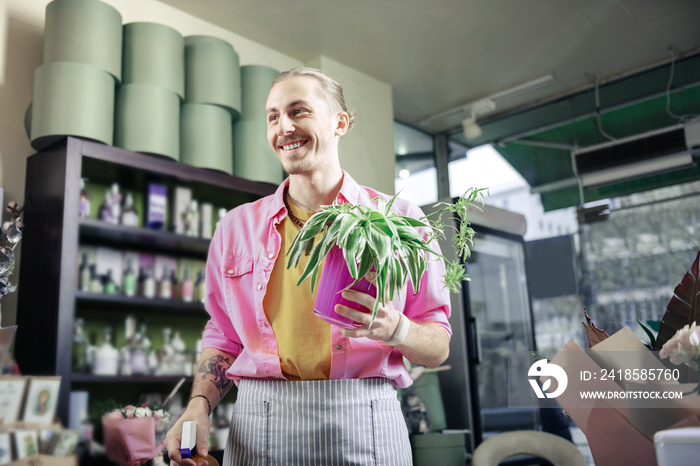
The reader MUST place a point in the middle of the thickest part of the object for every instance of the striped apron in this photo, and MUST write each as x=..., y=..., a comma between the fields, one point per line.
x=317, y=422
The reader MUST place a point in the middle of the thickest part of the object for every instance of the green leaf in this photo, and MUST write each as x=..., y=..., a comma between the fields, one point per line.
x=684, y=307
x=412, y=222
x=347, y=226
x=380, y=244
x=366, y=262
x=652, y=339
x=390, y=204
x=654, y=325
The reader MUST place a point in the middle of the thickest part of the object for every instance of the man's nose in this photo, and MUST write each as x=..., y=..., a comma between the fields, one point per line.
x=284, y=125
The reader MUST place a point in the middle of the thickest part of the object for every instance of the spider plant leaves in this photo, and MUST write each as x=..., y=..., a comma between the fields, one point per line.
x=684, y=307
x=366, y=263
x=397, y=247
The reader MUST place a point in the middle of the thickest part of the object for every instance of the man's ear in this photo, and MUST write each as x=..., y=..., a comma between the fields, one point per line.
x=343, y=123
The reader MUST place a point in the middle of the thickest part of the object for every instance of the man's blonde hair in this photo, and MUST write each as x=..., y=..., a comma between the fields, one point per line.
x=330, y=87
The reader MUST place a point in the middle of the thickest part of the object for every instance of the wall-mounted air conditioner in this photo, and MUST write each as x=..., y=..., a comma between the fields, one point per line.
x=658, y=151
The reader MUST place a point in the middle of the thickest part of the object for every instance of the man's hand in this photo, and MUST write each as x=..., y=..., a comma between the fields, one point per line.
x=425, y=343
x=194, y=412
x=385, y=323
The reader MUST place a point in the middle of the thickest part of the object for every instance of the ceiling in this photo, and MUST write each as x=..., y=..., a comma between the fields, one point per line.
x=446, y=54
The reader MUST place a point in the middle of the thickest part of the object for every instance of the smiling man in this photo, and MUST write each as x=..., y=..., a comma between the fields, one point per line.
x=308, y=392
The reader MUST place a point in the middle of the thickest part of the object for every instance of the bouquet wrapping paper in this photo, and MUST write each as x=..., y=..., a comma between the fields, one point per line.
x=622, y=432
x=130, y=441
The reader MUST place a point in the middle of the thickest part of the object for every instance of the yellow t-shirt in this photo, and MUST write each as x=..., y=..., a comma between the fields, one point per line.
x=303, y=340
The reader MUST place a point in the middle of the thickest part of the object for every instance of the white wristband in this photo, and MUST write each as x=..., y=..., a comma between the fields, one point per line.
x=401, y=331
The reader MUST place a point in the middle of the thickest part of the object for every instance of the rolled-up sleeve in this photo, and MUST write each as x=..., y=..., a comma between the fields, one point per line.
x=219, y=332
x=432, y=302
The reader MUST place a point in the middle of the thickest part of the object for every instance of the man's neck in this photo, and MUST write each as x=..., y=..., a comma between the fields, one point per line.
x=310, y=191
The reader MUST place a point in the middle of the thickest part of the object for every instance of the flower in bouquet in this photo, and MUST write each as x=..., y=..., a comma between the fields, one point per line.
x=684, y=348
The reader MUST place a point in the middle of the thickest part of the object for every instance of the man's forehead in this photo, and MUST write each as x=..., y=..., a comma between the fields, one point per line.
x=293, y=91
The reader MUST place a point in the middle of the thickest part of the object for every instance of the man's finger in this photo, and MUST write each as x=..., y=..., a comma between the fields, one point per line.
x=363, y=299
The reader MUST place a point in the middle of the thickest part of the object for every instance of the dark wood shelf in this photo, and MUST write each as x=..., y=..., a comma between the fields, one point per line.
x=121, y=302
x=144, y=379
x=102, y=233
x=53, y=235
x=163, y=166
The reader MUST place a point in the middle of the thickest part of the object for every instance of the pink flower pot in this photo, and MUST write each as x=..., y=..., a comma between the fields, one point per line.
x=334, y=279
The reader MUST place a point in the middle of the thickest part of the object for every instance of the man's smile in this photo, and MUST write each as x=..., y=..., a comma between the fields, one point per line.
x=293, y=145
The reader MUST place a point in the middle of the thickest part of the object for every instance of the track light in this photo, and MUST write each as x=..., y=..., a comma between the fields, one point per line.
x=637, y=170
x=493, y=98
x=471, y=129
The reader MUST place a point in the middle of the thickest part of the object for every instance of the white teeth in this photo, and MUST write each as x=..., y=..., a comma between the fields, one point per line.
x=291, y=146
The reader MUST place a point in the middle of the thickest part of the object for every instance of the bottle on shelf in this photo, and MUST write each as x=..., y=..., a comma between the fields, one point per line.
x=80, y=348
x=125, y=361
x=149, y=284
x=129, y=280
x=206, y=212
x=106, y=356
x=95, y=280
x=110, y=209
x=187, y=286
x=173, y=284
x=125, y=351
x=84, y=275
x=140, y=350
x=178, y=365
x=165, y=353
x=192, y=225
x=109, y=285
x=140, y=280
x=165, y=290
x=84, y=206
x=91, y=349
x=199, y=289
x=105, y=209
x=115, y=202
x=221, y=214
x=129, y=216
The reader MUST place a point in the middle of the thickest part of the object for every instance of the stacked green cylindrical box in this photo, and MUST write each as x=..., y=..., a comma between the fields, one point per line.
x=252, y=157
x=212, y=103
x=147, y=117
x=74, y=88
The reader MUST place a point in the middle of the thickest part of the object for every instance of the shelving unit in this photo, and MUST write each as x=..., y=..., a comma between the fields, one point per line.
x=48, y=296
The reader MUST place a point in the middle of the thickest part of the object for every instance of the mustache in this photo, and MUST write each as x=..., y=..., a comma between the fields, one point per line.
x=288, y=139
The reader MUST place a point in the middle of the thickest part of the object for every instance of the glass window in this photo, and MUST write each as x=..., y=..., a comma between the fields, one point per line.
x=482, y=167
x=415, y=178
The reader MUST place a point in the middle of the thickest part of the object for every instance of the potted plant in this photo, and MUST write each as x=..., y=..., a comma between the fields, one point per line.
x=357, y=239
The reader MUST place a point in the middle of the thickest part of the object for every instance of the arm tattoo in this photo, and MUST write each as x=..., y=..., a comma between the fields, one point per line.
x=216, y=367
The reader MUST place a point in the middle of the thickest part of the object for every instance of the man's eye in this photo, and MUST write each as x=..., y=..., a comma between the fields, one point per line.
x=272, y=118
x=298, y=111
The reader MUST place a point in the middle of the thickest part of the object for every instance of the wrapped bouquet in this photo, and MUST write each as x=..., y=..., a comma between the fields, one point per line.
x=130, y=433
x=619, y=389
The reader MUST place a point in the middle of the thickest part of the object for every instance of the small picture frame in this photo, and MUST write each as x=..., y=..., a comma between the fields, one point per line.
x=66, y=443
x=12, y=390
x=26, y=443
x=47, y=439
x=5, y=448
x=42, y=399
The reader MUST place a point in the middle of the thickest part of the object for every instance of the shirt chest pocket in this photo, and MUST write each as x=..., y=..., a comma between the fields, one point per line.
x=237, y=275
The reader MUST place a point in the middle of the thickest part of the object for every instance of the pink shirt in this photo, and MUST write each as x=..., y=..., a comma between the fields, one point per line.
x=241, y=256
